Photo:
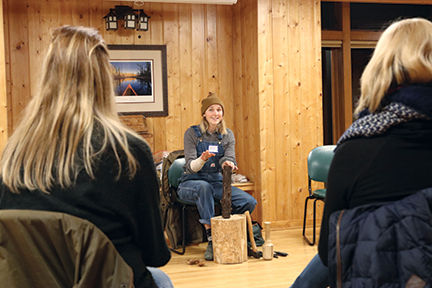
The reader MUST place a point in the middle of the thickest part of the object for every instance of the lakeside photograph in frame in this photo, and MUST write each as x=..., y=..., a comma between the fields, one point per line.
x=140, y=79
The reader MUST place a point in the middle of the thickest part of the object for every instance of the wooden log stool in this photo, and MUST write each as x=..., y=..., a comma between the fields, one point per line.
x=229, y=231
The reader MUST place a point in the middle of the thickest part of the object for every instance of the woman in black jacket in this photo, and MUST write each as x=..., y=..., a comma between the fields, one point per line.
x=386, y=154
x=71, y=154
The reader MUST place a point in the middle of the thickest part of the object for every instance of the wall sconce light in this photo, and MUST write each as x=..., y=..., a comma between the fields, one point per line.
x=131, y=20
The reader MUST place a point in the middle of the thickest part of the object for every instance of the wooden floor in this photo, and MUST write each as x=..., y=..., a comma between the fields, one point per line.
x=254, y=273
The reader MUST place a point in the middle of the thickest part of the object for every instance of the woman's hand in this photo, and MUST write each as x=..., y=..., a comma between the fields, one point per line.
x=231, y=164
x=206, y=155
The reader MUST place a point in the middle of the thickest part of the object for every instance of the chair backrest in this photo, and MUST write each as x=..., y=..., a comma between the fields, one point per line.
x=318, y=162
x=50, y=249
x=175, y=171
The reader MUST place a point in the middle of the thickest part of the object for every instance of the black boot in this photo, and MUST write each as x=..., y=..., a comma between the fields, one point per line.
x=208, y=255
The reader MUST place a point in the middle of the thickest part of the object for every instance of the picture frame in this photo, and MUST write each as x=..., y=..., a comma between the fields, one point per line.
x=140, y=79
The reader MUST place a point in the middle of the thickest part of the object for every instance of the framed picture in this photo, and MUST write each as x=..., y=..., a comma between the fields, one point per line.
x=140, y=79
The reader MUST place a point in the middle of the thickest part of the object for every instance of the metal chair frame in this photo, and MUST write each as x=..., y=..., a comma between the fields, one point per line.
x=317, y=171
x=185, y=205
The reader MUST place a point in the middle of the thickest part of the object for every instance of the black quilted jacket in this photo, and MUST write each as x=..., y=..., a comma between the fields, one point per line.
x=383, y=245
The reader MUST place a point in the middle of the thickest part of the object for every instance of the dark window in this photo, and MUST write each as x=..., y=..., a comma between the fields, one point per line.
x=367, y=16
x=359, y=59
x=329, y=18
x=327, y=96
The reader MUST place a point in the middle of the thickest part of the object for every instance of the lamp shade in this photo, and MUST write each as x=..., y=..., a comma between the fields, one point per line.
x=143, y=21
x=129, y=16
x=111, y=21
x=129, y=20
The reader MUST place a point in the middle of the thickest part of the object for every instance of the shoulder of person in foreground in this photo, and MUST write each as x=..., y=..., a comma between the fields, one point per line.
x=349, y=159
x=149, y=222
x=139, y=147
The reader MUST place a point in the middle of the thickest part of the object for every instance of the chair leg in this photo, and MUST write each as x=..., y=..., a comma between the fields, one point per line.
x=314, y=222
x=304, y=218
x=304, y=223
x=183, y=220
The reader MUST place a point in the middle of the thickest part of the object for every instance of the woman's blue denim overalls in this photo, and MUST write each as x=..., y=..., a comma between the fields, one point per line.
x=205, y=186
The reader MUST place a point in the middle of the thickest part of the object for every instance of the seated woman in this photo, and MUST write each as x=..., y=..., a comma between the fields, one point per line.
x=208, y=148
x=386, y=154
x=71, y=154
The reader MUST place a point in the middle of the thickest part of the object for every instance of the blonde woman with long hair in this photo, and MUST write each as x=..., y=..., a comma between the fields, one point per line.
x=208, y=147
x=384, y=156
x=71, y=154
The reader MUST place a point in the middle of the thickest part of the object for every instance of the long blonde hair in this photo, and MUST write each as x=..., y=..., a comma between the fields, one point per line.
x=53, y=142
x=403, y=55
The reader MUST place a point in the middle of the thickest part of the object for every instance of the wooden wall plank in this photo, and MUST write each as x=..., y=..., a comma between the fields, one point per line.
x=266, y=110
x=238, y=88
x=3, y=91
x=212, y=75
x=66, y=10
x=225, y=61
x=246, y=69
x=96, y=14
x=253, y=100
x=319, y=126
x=36, y=45
x=19, y=58
x=250, y=99
x=298, y=190
x=172, y=40
x=317, y=59
x=81, y=12
x=157, y=33
x=306, y=104
x=49, y=15
x=185, y=34
x=198, y=91
x=282, y=107
x=8, y=65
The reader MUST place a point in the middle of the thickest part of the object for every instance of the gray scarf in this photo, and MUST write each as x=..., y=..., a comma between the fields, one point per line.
x=405, y=104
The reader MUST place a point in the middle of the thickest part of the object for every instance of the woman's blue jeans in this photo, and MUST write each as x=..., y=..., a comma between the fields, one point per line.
x=161, y=279
x=315, y=275
x=204, y=193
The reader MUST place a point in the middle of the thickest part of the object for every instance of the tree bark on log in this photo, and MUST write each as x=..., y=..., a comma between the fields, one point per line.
x=226, y=194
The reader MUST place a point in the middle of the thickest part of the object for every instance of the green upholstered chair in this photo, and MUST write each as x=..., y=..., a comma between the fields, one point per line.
x=318, y=163
x=174, y=173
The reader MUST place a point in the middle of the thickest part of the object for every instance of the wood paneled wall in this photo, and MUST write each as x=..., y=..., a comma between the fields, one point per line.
x=247, y=106
x=278, y=100
x=262, y=57
x=290, y=97
x=199, y=50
